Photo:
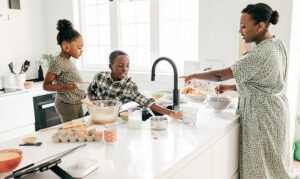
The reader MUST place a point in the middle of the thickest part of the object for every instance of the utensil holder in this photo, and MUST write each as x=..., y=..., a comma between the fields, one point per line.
x=20, y=79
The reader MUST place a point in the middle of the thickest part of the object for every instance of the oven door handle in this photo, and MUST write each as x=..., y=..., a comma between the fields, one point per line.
x=46, y=105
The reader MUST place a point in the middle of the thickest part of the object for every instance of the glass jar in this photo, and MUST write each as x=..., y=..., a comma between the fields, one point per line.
x=110, y=133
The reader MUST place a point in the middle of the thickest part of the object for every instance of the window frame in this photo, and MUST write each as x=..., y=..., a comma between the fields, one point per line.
x=114, y=10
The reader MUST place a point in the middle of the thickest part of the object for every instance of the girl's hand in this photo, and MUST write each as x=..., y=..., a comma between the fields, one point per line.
x=69, y=86
x=221, y=88
x=187, y=78
x=176, y=115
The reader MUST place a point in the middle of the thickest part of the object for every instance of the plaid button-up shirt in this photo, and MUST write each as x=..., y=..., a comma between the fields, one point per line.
x=103, y=87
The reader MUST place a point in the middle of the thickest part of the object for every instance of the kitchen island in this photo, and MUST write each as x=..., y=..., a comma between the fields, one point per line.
x=208, y=149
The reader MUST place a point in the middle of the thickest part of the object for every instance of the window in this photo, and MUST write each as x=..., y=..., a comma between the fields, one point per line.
x=179, y=30
x=96, y=28
x=145, y=29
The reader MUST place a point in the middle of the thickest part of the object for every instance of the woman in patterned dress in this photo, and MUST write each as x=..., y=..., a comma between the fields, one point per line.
x=62, y=73
x=263, y=108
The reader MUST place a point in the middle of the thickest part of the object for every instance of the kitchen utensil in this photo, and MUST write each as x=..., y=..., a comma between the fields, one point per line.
x=20, y=79
x=151, y=112
x=159, y=122
x=189, y=113
x=218, y=93
x=218, y=104
x=88, y=103
x=135, y=118
x=11, y=67
x=31, y=144
x=219, y=77
x=22, y=68
x=104, y=111
x=25, y=66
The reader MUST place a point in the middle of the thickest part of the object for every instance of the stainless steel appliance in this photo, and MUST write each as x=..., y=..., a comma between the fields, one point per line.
x=44, y=111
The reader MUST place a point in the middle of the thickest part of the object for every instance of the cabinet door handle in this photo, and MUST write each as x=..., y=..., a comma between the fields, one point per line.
x=47, y=105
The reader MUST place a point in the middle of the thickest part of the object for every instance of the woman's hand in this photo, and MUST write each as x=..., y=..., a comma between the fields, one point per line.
x=187, y=78
x=221, y=88
x=176, y=115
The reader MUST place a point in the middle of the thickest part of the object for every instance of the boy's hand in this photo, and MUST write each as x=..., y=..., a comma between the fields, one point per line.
x=176, y=115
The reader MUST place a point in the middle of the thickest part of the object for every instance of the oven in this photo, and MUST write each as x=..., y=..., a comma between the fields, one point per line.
x=44, y=111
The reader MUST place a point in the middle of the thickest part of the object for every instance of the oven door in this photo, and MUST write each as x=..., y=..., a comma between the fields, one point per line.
x=45, y=113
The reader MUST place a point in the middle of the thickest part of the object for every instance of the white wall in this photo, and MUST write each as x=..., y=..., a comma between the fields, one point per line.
x=22, y=37
x=55, y=10
x=30, y=32
x=220, y=21
x=294, y=66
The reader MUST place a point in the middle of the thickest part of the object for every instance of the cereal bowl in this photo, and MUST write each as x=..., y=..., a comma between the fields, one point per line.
x=9, y=159
x=195, y=98
x=218, y=103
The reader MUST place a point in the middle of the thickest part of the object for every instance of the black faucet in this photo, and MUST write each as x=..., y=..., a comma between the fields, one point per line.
x=175, y=90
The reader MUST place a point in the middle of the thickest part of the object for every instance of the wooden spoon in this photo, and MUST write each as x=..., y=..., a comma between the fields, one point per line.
x=88, y=103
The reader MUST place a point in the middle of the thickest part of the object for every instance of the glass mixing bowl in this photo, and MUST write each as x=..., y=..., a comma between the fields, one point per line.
x=104, y=111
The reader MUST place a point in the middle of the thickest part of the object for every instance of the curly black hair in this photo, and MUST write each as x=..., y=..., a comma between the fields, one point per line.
x=66, y=32
x=261, y=12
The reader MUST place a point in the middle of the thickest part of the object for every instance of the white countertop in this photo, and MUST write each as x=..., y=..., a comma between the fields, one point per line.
x=136, y=154
x=35, y=90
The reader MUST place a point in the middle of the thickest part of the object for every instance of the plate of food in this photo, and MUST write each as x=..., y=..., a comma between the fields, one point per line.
x=193, y=95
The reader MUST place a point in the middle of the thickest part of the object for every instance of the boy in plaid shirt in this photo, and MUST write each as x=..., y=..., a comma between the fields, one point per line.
x=118, y=86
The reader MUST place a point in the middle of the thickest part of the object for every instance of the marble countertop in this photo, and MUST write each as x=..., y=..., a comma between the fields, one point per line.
x=138, y=153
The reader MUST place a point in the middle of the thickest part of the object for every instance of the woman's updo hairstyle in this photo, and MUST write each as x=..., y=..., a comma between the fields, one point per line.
x=261, y=12
x=66, y=32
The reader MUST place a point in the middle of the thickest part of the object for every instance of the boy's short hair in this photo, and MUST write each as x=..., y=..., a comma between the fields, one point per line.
x=113, y=55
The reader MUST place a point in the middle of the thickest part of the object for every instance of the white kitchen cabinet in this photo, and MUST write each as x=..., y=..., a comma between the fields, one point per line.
x=225, y=155
x=16, y=116
x=218, y=161
x=198, y=167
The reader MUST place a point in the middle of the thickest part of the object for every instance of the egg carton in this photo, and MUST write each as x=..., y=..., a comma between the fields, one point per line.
x=72, y=136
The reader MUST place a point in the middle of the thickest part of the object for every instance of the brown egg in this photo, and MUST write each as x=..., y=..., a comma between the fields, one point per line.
x=90, y=132
x=80, y=133
x=98, y=134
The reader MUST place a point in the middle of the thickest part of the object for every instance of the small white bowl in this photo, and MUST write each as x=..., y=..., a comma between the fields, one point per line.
x=218, y=104
x=82, y=85
x=195, y=98
x=159, y=94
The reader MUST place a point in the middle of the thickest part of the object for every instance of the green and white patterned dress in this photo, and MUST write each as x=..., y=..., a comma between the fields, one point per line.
x=263, y=108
